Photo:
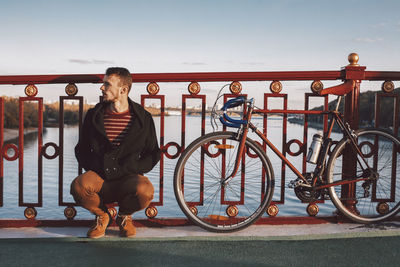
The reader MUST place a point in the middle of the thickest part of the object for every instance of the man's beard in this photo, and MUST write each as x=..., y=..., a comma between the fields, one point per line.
x=105, y=99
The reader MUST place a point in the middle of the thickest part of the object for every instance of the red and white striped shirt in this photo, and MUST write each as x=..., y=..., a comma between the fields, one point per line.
x=117, y=125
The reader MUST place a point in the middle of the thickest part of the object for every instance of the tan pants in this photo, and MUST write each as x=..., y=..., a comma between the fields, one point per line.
x=132, y=193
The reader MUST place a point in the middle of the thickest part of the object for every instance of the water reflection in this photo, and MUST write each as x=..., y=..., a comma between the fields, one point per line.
x=170, y=208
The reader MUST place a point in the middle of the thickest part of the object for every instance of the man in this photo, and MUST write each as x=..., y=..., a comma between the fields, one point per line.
x=117, y=146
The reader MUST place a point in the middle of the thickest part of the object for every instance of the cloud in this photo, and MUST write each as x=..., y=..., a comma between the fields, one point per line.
x=194, y=63
x=379, y=25
x=368, y=40
x=93, y=61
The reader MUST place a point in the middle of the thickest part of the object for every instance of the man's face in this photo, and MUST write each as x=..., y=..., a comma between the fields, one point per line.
x=111, y=88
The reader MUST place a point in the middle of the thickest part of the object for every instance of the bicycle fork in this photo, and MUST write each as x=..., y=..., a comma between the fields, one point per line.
x=242, y=135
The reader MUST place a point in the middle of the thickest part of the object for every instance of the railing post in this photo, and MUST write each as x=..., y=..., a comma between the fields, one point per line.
x=351, y=116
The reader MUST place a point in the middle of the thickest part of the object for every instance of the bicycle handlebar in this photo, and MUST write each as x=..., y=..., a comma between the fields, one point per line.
x=235, y=102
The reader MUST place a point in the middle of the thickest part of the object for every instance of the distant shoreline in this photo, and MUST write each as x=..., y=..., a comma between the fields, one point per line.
x=311, y=124
x=13, y=134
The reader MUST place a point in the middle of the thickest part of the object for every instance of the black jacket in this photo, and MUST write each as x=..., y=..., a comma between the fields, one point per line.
x=137, y=153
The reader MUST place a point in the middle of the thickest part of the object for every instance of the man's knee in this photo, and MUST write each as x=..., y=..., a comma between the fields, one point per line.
x=86, y=184
x=138, y=193
x=76, y=186
x=144, y=193
x=145, y=190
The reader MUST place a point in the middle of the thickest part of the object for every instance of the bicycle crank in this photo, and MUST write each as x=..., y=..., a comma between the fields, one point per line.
x=305, y=192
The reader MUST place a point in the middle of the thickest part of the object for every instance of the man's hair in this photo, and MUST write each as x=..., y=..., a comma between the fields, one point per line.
x=123, y=74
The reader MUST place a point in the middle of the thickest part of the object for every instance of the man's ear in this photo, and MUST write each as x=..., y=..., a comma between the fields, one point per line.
x=124, y=89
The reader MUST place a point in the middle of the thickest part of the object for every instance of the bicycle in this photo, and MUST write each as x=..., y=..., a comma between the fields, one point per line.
x=224, y=180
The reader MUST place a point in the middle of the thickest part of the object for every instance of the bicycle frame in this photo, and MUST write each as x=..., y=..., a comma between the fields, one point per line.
x=236, y=186
x=320, y=168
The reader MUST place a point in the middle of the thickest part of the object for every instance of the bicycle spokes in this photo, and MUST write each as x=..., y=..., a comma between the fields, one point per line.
x=367, y=194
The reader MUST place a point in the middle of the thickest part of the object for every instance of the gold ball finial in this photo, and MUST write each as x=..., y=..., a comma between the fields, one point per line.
x=153, y=88
x=317, y=86
x=235, y=87
x=70, y=212
x=232, y=211
x=194, y=210
x=353, y=59
x=71, y=89
x=382, y=208
x=273, y=210
x=31, y=90
x=388, y=86
x=30, y=213
x=194, y=88
x=275, y=87
x=151, y=212
x=312, y=209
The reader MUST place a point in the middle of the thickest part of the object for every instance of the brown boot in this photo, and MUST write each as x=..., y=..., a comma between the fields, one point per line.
x=99, y=227
x=126, y=227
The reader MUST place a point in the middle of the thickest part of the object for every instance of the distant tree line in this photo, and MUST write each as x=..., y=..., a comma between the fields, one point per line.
x=50, y=113
x=367, y=110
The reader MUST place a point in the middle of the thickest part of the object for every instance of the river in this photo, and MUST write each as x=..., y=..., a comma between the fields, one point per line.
x=51, y=210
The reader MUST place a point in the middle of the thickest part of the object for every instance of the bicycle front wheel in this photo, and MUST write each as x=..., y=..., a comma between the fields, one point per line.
x=198, y=183
x=372, y=200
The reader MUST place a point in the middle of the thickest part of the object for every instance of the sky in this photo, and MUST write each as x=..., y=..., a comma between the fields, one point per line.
x=150, y=36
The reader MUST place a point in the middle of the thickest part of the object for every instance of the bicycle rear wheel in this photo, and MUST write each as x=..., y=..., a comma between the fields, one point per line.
x=367, y=201
x=199, y=191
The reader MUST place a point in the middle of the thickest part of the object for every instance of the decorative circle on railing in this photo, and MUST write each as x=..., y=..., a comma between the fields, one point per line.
x=151, y=212
x=387, y=86
x=382, y=208
x=70, y=212
x=353, y=59
x=194, y=88
x=235, y=87
x=312, y=209
x=317, y=87
x=153, y=88
x=194, y=210
x=31, y=90
x=113, y=212
x=272, y=210
x=56, y=150
x=232, y=211
x=30, y=213
x=275, y=87
x=250, y=154
x=294, y=141
x=178, y=150
x=71, y=89
x=217, y=146
x=367, y=149
x=7, y=147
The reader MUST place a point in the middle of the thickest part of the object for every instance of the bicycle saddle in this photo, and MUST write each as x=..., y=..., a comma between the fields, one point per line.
x=340, y=89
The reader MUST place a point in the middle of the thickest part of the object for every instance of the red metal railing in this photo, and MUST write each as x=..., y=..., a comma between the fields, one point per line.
x=350, y=72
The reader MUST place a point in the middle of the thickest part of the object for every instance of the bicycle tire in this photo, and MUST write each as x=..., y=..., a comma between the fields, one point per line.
x=209, y=158
x=374, y=201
